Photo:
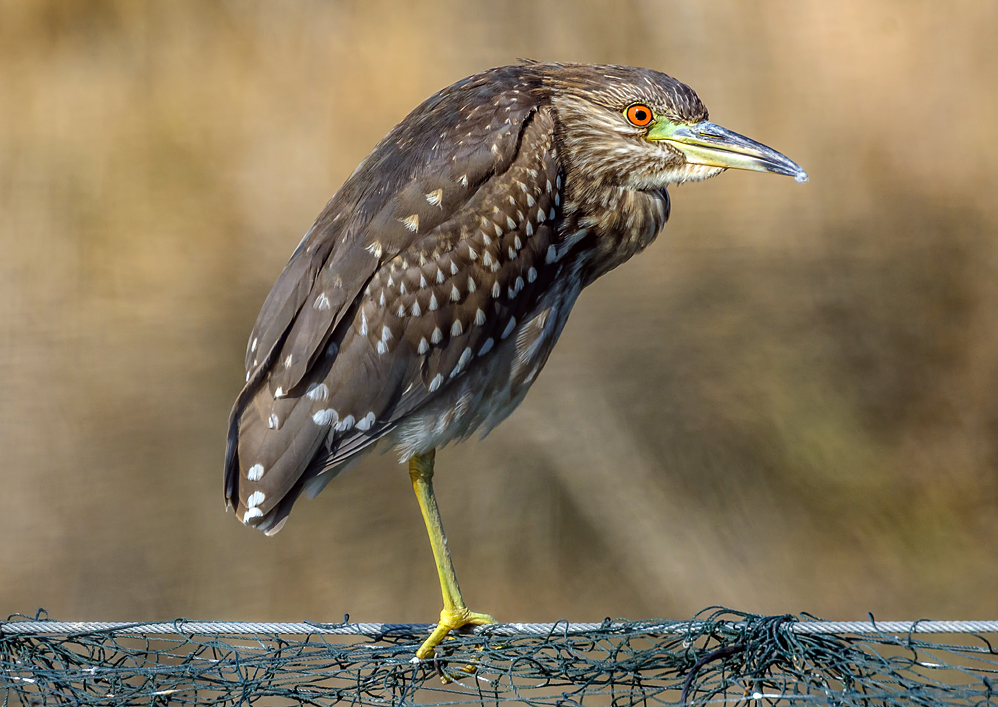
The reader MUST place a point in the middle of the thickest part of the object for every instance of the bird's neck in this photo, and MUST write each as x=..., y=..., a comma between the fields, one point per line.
x=610, y=224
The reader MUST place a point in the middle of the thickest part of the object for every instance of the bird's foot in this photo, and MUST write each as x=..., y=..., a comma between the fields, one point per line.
x=451, y=620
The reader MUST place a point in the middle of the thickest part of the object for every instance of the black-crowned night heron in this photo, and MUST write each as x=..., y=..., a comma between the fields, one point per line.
x=428, y=294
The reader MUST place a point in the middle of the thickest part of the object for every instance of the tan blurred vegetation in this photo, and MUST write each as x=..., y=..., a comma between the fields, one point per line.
x=790, y=402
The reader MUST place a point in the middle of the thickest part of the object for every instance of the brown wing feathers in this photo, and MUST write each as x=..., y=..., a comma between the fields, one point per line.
x=369, y=320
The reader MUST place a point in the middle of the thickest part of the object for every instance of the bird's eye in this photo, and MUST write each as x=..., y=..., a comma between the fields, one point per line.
x=639, y=115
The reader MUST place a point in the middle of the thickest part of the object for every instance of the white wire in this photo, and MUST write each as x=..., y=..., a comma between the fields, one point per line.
x=377, y=630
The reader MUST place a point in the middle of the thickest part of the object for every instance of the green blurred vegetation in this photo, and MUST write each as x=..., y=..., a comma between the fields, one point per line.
x=788, y=403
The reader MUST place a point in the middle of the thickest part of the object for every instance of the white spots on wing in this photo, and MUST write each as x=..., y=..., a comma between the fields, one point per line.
x=391, y=283
x=541, y=218
x=253, y=345
x=424, y=346
x=374, y=249
x=552, y=254
x=530, y=200
x=321, y=302
x=487, y=259
x=461, y=362
x=486, y=240
x=440, y=276
x=529, y=229
x=498, y=230
x=273, y=422
x=422, y=281
x=401, y=311
x=455, y=294
x=509, y=328
x=386, y=334
x=433, y=302
x=510, y=223
x=548, y=187
x=453, y=268
x=551, y=213
x=279, y=393
x=557, y=181
x=317, y=391
x=523, y=187
x=402, y=289
x=472, y=255
x=517, y=243
x=512, y=201
x=512, y=253
x=251, y=513
x=325, y=417
x=437, y=336
x=531, y=274
x=496, y=290
x=255, y=472
x=463, y=180
x=364, y=423
x=381, y=300
x=456, y=329
x=486, y=347
x=479, y=317
x=288, y=360
x=494, y=149
x=345, y=424
x=435, y=383
x=557, y=199
x=381, y=347
x=363, y=318
x=436, y=198
x=416, y=311
x=519, y=284
x=255, y=499
x=411, y=222
x=471, y=284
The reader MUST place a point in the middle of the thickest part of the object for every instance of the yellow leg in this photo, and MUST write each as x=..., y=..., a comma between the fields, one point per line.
x=454, y=614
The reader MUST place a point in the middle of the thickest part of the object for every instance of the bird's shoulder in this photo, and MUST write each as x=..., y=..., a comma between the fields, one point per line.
x=422, y=173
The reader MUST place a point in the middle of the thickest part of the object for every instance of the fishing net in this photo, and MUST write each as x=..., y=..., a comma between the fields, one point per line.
x=718, y=657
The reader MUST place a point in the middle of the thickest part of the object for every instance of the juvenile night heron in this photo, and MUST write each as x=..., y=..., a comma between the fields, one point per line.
x=425, y=299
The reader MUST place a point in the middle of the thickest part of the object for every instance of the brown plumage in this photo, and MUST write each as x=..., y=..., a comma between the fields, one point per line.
x=428, y=294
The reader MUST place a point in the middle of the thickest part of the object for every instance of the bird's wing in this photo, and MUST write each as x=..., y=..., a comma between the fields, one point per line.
x=454, y=295
x=422, y=176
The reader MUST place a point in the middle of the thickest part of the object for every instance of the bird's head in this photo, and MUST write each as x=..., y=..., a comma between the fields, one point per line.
x=641, y=129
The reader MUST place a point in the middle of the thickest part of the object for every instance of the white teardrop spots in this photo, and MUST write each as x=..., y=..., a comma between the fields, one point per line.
x=321, y=302
x=411, y=222
x=435, y=197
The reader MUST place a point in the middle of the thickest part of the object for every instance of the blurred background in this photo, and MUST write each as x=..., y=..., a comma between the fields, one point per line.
x=788, y=403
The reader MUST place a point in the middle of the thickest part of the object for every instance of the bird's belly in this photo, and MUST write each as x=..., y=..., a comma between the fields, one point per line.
x=489, y=391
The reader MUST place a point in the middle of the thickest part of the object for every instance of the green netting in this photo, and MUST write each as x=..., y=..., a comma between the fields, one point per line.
x=719, y=657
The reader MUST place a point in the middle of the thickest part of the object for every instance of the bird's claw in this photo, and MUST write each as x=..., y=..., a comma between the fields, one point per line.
x=451, y=620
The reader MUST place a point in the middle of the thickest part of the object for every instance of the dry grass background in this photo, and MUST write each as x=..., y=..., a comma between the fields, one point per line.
x=788, y=403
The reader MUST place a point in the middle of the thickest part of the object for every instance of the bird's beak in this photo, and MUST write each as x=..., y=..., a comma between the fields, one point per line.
x=711, y=145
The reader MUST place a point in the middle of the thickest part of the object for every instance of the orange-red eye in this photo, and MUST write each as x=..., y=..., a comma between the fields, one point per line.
x=639, y=115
